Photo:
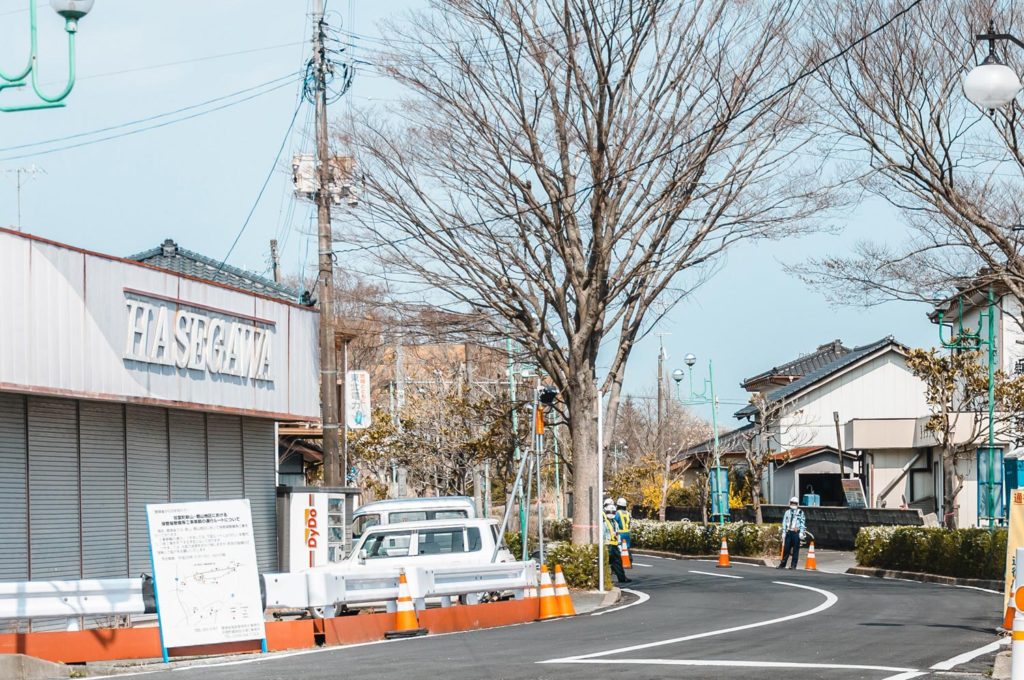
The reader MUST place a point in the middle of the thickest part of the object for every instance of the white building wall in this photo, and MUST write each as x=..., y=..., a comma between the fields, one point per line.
x=881, y=388
x=65, y=314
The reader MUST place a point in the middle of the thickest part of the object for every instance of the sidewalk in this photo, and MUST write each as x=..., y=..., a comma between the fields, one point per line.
x=830, y=561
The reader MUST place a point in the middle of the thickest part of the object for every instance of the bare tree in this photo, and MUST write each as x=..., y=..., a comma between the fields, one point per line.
x=574, y=168
x=775, y=428
x=955, y=173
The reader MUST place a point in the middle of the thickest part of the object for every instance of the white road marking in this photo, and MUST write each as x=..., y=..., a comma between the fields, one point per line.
x=729, y=663
x=712, y=573
x=637, y=564
x=906, y=676
x=641, y=598
x=984, y=590
x=830, y=599
x=951, y=663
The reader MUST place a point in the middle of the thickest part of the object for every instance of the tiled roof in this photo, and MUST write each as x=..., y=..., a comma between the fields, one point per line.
x=801, y=366
x=802, y=452
x=169, y=255
x=851, y=357
x=727, y=443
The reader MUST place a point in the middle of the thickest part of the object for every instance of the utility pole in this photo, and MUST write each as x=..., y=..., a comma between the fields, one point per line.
x=275, y=260
x=328, y=351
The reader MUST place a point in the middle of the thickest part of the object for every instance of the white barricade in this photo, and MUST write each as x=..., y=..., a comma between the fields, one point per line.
x=450, y=581
x=90, y=597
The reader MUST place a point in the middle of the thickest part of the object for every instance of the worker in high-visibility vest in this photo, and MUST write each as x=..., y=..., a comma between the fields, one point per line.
x=611, y=541
x=623, y=518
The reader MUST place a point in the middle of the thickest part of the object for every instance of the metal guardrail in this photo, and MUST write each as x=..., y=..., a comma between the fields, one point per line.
x=324, y=588
x=300, y=590
x=74, y=599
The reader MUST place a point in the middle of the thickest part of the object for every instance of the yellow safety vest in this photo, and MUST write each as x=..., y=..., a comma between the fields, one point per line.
x=613, y=535
x=624, y=521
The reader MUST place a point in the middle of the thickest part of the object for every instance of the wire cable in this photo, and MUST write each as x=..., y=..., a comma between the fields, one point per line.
x=807, y=73
x=148, y=127
x=289, y=77
x=263, y=188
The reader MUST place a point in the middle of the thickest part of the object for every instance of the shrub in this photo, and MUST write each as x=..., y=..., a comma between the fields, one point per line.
x=579, y=564
x=514, y=543
x=558, y=530
x=964, y=553
x=694, y=538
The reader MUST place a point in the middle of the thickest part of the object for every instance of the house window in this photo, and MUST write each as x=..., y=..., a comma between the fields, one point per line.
x=1018, y=367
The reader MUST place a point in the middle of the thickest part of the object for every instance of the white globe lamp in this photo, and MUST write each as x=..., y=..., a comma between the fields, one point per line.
x=991, y=84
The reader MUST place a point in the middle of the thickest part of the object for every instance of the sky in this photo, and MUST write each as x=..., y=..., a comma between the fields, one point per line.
x=196, y=177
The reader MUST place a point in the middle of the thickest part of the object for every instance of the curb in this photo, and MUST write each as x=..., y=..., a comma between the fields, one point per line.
x=927, y=578
x=611, y=597
x=757, y=561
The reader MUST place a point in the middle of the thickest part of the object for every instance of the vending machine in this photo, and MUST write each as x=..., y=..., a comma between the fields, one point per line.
x=314, y=525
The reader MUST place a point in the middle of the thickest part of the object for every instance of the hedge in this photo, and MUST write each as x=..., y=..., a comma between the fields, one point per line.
x=579, y=564
x=963, y=553
x=693, y=538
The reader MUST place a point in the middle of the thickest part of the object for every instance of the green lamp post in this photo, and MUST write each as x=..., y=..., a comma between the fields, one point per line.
x=719, y=475
x=72, y=11
x=964, y=339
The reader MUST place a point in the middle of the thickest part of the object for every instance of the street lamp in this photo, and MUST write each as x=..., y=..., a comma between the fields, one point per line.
x=72, y=11
x=992, y=84
x=720, y=476
x=964, y=339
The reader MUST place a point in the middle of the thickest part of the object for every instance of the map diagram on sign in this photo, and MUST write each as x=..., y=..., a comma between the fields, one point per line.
x=206, y=596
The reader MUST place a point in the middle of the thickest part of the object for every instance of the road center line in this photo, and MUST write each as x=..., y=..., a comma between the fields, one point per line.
x=641, y=598
x=712, y=573
x=951, y=663
x=830, y=599
x=637, y=564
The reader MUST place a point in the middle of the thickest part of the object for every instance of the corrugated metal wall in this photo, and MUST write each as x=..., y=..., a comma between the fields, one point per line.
x=13, y=489
x=75, y=478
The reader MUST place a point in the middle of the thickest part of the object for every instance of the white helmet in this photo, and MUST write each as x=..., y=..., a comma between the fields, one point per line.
x=621, y=502
x=794, y=501
x=609, y=501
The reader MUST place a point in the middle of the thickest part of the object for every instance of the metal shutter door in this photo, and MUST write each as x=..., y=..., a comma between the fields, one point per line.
x=259, y=450
x=147, y=478
x=104, y=512
x=54, y=505
x=187, y=433
x=13, y=489
x=224, y=439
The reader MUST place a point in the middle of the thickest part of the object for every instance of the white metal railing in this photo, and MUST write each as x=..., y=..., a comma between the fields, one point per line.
x=73, y=599
x=324, y=588
x=320, y=588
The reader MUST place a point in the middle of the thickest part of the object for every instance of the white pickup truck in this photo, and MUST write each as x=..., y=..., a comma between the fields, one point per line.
x=446, y=542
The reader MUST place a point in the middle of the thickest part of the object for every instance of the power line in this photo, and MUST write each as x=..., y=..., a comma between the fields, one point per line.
x=148, y=127
x=263, y=188
x=147, y=119
x=676, y=147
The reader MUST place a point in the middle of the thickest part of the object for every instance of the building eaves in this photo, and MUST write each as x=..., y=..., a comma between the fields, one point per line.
x=819, y=374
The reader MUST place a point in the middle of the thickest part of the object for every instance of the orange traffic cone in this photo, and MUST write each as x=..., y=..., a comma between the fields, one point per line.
x=548, y=603
x=723, y=555
x=1011, y=611
x=812, y=561
x=627, y=563
x=565, y=606
x=405, y=617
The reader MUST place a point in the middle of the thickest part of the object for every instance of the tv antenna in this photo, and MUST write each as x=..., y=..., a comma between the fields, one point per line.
x=21, y=176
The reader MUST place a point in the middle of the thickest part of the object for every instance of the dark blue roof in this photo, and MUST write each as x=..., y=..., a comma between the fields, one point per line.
x=841, y=362
x=172, y=257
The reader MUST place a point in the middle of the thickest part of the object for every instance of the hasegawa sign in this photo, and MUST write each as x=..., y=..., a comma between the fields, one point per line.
x=308, y=533
x=217, y=344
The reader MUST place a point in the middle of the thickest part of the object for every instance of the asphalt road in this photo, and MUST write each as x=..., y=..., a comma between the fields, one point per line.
x=761, y=623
